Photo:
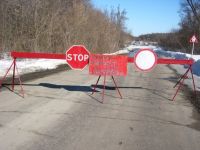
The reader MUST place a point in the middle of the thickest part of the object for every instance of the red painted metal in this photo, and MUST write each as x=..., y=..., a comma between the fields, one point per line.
x=169, y=61
x=130, y=59
x=104, y=86
x=96, y=85
x=117, y=87
x=15, y=72
x=4, y=77
x=32, y=55
x=183, y=76
x=77, y=57
x=13, y=78
x=180, y=82
x=175, y=61
x=108, y=65
x=20, y=82
x=153, y=65
x=104, y=82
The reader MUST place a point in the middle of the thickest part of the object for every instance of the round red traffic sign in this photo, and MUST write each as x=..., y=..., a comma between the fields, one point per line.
x=77, y=57
x=145, y=59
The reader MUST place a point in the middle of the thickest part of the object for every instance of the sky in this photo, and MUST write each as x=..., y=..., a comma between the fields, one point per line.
x=146, y=16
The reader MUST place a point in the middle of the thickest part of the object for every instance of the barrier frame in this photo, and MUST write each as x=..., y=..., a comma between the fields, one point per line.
x=32, y=55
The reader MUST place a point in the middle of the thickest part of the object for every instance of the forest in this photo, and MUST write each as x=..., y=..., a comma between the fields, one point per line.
x=178, y=39
x=55, y=25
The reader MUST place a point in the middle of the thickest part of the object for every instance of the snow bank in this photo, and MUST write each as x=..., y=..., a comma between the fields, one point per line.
x=28, y=65
x=181, y=69
x=180, y=55
x=31, y=65
x=132, y=47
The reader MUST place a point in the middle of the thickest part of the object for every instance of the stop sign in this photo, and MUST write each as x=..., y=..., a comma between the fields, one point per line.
x=77, y=57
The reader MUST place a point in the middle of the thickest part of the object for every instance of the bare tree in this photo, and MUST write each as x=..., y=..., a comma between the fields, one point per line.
x=194, y=5
x=49, y=25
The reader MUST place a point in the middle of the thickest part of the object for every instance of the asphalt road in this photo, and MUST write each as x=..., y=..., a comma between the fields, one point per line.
x=58, y=113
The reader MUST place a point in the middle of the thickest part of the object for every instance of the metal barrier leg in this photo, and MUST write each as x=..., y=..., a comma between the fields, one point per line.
x=13, y=78
x=4, y=77
x=117, y=87
x=15, y=72
x=183, y=76
x=104, y=82
x=20, y=82
x=96, y=85
x=181, y=83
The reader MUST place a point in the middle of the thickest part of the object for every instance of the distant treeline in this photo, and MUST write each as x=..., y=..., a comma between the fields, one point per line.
x=190, y=24
x=55, y=25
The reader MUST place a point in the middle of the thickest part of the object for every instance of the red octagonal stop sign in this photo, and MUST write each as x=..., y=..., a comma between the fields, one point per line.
x=77, y=57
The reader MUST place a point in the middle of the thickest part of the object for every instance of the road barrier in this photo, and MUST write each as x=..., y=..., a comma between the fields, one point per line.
x=102, y=65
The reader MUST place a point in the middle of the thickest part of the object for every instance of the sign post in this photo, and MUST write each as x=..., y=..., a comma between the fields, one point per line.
x=193, y=40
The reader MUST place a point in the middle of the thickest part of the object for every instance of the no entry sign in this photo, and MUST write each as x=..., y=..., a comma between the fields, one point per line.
x=108, y=65
x=77, y=57
x=145, y=59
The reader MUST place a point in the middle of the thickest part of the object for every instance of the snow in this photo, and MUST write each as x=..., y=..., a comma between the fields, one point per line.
x=181, y=69
x=31, y=65
x=28, y=65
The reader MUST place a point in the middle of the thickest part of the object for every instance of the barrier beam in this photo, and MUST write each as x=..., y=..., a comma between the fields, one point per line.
x=35, y=55
x=175, y=61
x=168, y=61
x=32, y=55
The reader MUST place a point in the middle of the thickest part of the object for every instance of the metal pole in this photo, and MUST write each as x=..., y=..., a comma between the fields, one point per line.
x=183, y=76
x=1, y=81
x=117, y=87
x=13, y=79
x=192, y=49
x=95, y=85
x=20, y=82
x=181, y=84
x=104, y=82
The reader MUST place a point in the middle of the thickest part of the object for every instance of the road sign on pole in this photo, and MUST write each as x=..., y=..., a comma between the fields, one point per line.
x=193, y=40
x=77, y=57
